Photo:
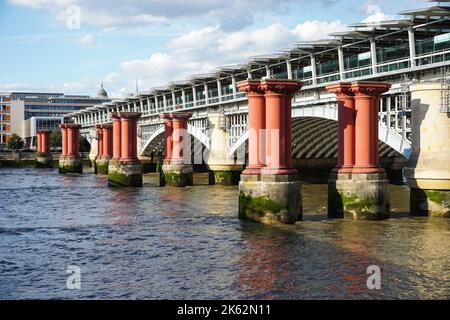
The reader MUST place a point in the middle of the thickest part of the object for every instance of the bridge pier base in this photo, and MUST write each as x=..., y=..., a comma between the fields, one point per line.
x=363, y=196
x=177, y=175
x=428, y=172
x=225, y=175
x=105, y=149
x=358, y=188
x=43, y=155
x=270, y=199
x=124, y=174
x=177, y=170
x=270, y=190
x=70, y=161
x=125, y=169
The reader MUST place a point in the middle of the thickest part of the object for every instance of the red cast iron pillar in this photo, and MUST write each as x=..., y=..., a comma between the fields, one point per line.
x=346, y=123
x=256, y=125
x=366, y=125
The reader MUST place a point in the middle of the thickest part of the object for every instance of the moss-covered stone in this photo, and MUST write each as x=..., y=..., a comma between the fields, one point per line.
x=44, y=162
x=71, y=168
x=435, y=203
x=178, y=179
x=118, y=179
x=263, y=209
x=224, y=178
x=101, y=167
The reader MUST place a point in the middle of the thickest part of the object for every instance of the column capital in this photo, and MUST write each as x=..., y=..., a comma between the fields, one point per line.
x=129, y=115
x=105, y=126
x=369, y=88
x=340, y=89
x=284, y=87
x=250, y=87
x=178, y=116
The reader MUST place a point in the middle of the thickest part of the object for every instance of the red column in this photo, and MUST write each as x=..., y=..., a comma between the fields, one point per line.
x=99, y=141
x=128, y=129
x=107, y=137
x=366, y=126
x=180, y=137
x=346, y=123
x=278, y=124
x=168, y=133
x=70, y=142
x=63, y=139
x=117, y=137
x=125, y=139
x=256, y=125
x=39, y=141
x=46, y=142
x=73, y=134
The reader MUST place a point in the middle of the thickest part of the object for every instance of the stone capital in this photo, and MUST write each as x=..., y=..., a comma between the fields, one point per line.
x=129, y=115
x=250, y=87
x=341, y=90
x=369, y=89
x=282, y=87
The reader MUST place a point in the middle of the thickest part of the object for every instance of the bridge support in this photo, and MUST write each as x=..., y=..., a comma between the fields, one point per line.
x=70, y=161
x=104, y=134
x=125, y=169
x=43, y=155
x=177, y=170
x=358, y=187
x=428, y=172
x=222, y=170
x=269, y=190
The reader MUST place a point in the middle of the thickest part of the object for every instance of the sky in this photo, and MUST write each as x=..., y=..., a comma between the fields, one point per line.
x=70, y=46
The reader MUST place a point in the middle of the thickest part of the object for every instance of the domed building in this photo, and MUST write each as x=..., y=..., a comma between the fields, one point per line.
x=102, y=92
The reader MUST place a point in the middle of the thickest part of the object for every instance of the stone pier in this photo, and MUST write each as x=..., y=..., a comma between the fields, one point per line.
x=270, y=190
x=177, y=170
x=43, y=155
x=222, y=170
x=428, y=172
x=104, y=138
x=358, y=187
x=70, y=161
x=125, y=169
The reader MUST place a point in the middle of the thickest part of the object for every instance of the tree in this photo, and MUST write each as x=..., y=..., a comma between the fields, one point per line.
x=15, y=143
x=56, y=138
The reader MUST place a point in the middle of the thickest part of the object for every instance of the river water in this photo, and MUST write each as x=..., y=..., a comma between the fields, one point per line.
x=166, y=243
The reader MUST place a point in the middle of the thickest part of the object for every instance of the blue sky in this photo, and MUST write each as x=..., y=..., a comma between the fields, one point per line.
x=157, y=41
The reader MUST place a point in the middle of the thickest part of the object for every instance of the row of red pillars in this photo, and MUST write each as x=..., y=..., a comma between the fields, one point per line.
x=43, y=142
x=270, y=125
x=70, y=136
x=176, y=136
x=105, y=141
x=124, y=132
x=358, y=125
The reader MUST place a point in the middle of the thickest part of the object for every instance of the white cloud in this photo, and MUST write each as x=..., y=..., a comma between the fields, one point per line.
x=375, y=14
x=87, y=40
x=118, y=13
x=201, y=50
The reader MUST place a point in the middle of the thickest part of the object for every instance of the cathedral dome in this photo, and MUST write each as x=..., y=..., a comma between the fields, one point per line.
x=102, y=92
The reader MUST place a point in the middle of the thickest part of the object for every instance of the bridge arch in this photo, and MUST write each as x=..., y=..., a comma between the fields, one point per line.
x=315, y=135
x=155, y=141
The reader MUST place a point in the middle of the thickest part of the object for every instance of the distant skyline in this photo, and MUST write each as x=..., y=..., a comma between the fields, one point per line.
x=46, y=48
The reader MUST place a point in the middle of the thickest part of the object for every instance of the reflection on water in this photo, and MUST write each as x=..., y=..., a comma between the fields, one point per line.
x=165, y=243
